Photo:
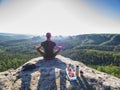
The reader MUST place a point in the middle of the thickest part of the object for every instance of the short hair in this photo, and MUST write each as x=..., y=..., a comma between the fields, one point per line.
x=48, y=35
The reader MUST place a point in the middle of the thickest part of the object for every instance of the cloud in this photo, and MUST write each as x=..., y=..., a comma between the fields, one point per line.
x=64, y=17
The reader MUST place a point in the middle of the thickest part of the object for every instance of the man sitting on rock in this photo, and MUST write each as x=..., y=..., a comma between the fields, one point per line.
x=48, y=47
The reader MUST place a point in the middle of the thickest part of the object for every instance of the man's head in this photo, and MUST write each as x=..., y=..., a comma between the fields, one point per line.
x=48, y=35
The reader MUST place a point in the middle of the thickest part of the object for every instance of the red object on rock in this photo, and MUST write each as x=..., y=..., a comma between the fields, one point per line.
x=69, y=69
x=71, y=74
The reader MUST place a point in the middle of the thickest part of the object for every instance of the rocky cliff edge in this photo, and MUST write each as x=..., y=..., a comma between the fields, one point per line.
x=51, y=75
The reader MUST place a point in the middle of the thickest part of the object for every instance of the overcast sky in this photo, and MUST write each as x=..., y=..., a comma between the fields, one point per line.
x=60, y=17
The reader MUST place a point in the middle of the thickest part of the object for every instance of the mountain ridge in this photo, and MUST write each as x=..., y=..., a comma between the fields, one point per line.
x=91, y=49
x=51, y=75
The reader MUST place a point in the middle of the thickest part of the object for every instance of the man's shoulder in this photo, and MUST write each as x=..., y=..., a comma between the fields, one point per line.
x=42, y=43
x=52, y=41
x=45, y=42
x=48, y=41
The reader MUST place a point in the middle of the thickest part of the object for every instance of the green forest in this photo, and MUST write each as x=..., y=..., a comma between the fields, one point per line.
x=99, y=51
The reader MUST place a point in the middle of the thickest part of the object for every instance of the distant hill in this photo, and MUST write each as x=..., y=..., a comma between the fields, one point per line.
x=107, y=42
x=85, y=39
x=9, y=36
x=97, y=39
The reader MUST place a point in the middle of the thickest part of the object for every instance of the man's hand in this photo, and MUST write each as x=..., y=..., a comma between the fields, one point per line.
x=59, y=47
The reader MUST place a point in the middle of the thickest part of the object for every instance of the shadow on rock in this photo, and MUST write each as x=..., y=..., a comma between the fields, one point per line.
x=48, y=75
x=47, y=78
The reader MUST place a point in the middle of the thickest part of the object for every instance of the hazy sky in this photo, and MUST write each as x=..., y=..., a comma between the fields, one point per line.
x=60, y=17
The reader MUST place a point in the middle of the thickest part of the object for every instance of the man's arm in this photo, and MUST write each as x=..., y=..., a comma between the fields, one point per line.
x=58, y=48
x=37, y=47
